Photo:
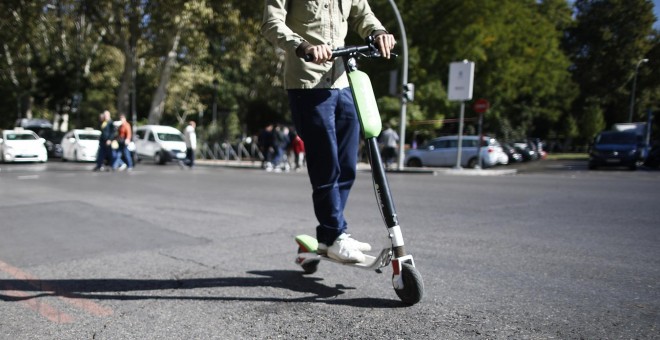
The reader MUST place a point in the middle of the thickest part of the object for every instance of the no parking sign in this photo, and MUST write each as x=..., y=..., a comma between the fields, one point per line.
x=481, y=106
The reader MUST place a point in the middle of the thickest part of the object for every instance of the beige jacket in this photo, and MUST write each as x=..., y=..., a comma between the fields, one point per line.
x=290, y=23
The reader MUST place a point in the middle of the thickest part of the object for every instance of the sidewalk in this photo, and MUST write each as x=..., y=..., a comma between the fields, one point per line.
x=366, y=167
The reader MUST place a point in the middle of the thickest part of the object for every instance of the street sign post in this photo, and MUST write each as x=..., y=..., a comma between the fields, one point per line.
x=461, y=80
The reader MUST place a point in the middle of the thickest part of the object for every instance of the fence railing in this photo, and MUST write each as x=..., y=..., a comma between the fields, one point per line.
x=225, y=151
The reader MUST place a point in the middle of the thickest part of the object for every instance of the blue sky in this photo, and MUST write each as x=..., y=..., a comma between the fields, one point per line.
x=656, y=11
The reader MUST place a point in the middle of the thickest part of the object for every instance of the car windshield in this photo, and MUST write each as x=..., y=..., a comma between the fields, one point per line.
x=88, y=136
x=21, y=136
x=617, y=138
x=169, y=137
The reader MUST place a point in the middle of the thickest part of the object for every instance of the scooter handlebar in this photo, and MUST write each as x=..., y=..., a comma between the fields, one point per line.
x=370, y=50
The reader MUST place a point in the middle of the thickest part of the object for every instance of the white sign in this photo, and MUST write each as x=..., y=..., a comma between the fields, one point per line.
x=461, y=80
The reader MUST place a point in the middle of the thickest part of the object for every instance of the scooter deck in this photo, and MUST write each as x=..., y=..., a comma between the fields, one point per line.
x=309, y=247
x=368, y=261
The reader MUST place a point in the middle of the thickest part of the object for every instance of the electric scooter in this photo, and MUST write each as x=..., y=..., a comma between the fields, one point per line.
x=407, y=281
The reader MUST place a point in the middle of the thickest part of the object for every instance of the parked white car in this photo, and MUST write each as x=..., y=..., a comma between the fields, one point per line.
x=80, y=145
x=442, y=152
x=21, y=145
x=159, y=143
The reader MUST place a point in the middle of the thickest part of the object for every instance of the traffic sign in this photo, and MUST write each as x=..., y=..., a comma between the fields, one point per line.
x=481, y=105
x=461, y=80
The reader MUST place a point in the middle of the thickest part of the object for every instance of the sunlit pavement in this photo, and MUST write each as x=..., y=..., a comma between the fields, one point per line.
x=499, y=171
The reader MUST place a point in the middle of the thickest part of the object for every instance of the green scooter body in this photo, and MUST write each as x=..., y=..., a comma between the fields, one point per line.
x=365, y=102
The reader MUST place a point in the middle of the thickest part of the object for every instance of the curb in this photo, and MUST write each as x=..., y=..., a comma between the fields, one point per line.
x=366, y=167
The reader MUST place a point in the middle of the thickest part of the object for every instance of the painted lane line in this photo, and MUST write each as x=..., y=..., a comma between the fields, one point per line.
x=82, y=303
x=47, y=311
x=28, y=177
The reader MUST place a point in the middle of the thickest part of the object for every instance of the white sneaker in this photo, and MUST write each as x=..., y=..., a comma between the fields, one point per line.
x=345, y=249
x=361, y=246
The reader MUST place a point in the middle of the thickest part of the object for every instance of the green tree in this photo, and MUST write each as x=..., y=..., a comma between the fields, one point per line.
x=592, y=120
x=19, y=31
x=520, y=66
x=608, y=40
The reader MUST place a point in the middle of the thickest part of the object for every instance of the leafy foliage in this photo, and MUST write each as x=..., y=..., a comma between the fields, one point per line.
x=549, y=69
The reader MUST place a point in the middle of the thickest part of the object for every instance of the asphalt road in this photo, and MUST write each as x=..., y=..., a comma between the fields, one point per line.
x=554, y=251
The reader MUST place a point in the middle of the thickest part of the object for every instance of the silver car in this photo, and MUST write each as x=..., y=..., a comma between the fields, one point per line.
x=443, y=151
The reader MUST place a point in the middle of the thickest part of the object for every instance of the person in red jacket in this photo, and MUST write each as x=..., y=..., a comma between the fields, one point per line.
x=124, y=135
x=298, y=150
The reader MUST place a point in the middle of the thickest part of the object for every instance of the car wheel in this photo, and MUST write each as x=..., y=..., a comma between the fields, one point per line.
x=472, y=163
x=158, y=158
x=414, y=163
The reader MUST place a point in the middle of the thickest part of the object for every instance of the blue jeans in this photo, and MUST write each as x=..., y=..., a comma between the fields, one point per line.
x=327, y=122
x=119, y=153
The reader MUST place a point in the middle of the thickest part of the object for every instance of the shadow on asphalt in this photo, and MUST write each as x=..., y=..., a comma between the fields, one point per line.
x=113, y=289
x=567, y=165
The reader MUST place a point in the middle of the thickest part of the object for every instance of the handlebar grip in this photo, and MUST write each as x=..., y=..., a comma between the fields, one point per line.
x=344, y=51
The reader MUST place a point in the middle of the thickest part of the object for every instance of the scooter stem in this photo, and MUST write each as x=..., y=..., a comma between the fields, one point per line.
x=383, y=192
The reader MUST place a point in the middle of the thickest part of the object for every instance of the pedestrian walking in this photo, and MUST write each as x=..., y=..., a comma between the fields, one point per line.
x=105, y=141
x=298, y=147
x=388, y=139
x=280, y=145
x=190, y=137
x=122, y=155
x=265, y=141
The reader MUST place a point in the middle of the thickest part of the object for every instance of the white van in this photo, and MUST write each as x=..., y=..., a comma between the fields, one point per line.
x=159, y=143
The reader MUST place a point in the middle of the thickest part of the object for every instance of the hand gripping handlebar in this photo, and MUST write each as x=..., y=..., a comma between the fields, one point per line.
x=369, y=50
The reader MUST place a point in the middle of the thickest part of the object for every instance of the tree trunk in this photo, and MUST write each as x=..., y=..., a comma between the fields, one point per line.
x=130, y=57
x=158, y=102
x=126, y=78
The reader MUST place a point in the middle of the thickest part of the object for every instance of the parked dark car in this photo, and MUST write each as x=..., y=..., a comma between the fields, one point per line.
x=527, y=150
x=53, y=142
x=616, y=148
x=538, y=145
x=514, y=155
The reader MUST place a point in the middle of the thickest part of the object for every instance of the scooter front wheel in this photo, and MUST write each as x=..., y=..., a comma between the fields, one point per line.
x=413, y=286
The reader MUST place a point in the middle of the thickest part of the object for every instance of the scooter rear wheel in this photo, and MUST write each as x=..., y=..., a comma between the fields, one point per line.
x=311, y=266
x=413, y=286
